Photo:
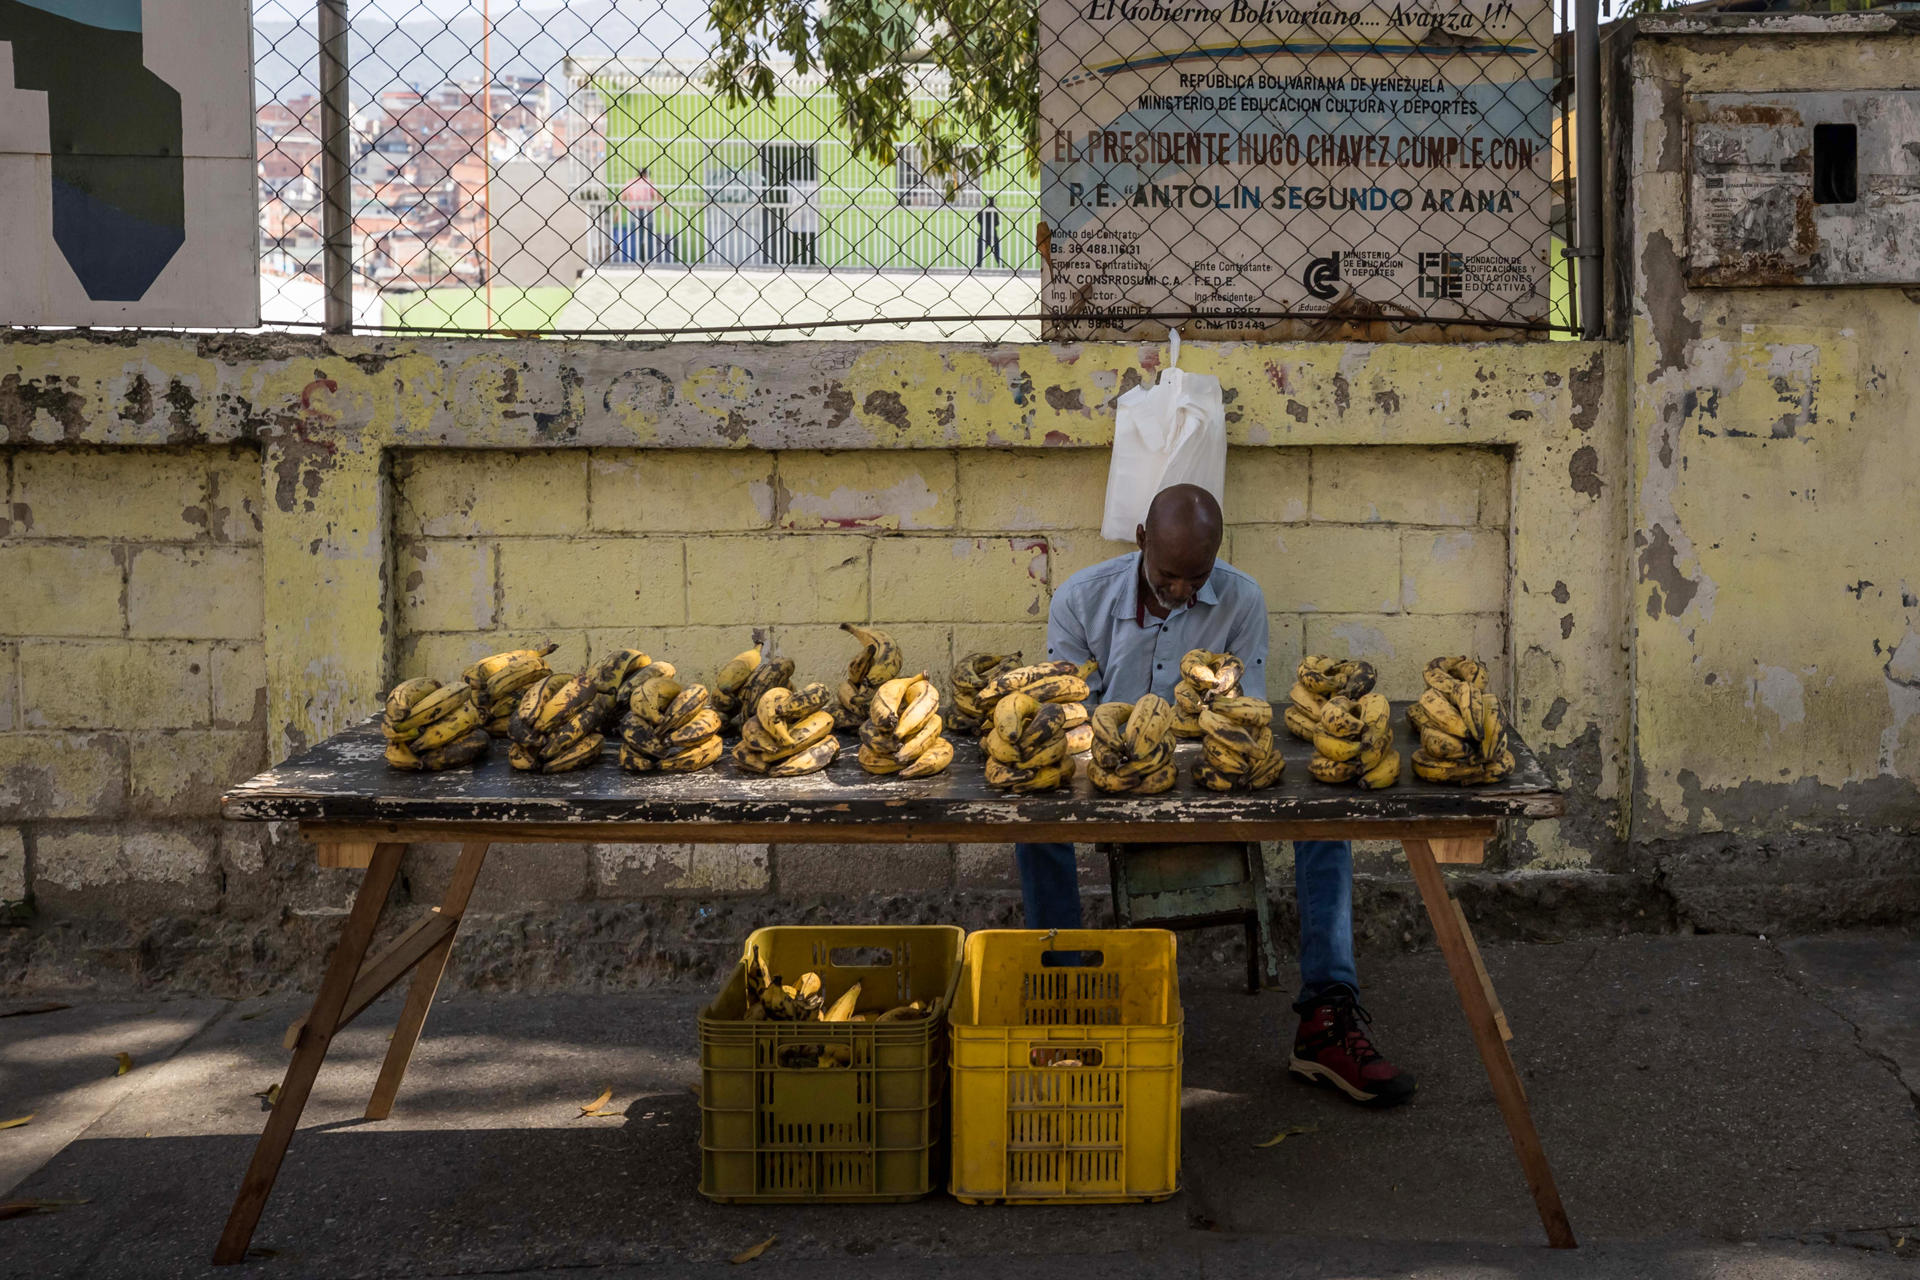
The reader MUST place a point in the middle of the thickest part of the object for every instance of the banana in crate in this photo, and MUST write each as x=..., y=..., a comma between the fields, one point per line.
x=902, y=734
x=1027, y=747
x=805, y=1000
x=970, y=675
x=790, y=733
x=1204, y=676
x=430, y=726
x=1133, y=747
x=561, y=722
x=670, y=727
x=1463, y=730
x=1236, y=745
x=878, y=661
x=498, y=681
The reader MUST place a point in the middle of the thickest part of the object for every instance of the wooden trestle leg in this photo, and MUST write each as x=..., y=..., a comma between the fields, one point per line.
x=1483, y=1019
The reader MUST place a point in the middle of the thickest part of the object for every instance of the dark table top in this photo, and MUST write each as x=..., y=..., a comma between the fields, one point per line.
x=345, y=780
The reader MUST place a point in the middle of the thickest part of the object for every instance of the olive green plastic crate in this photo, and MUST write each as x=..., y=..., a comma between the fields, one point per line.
x=864, y=1132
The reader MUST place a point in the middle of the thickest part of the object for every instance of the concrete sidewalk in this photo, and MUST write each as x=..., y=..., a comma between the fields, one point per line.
x=1713, y=1107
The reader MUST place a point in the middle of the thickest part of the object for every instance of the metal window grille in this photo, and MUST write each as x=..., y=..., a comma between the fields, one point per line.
x=564, y=167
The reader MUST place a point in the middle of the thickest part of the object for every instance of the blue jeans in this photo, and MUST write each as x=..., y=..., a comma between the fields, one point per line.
x=1322, y=883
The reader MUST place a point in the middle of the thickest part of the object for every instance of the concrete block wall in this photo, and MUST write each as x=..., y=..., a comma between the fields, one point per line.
x=1391, y=554
x=422, y=502
x=132, y=683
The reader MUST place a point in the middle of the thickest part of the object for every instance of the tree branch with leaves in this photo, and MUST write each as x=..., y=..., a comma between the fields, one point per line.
x=958, y=80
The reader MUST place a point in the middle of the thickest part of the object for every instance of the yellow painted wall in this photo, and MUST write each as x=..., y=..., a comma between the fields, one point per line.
x=1776, y=566
x=422, y=502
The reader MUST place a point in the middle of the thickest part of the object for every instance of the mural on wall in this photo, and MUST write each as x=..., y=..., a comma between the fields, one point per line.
x=126, y=165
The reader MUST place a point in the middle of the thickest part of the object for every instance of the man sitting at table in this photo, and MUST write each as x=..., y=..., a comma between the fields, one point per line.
x=1137, y=615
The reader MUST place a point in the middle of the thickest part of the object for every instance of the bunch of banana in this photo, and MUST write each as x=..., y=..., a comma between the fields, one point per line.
x=429, y=726
x=878, y=661
x=902, y=732
x=730, y=681
x=1027, y=746
x=561, y=721
x=670, y=727
x=1133, y=747
x=970, y=675
x=1059, y=683
x=498, y=682
x=1204, y=677
x=1318, y=678
x=1463, y=732
x=1354, y=742
x=789, y=733
x=1236, y=745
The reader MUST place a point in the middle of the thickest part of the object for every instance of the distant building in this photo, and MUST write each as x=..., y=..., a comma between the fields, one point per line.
x=772, y=184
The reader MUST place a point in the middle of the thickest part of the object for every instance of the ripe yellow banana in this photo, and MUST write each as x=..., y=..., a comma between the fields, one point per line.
x=811, y=760
x=733, y=673
x=1442, y=714
x=1336, y=749
x=931, y=761
x=1383, y=773
x=1328, y=770
x=698, y=755
x=1300, y=724
x=1337, y=718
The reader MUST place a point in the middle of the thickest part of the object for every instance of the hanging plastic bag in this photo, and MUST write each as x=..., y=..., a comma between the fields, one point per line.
x=1174, y=432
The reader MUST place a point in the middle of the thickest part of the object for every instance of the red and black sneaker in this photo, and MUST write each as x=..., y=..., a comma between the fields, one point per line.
x=1332, y=1048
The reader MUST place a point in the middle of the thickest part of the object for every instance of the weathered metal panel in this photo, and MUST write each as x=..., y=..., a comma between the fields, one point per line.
x=1753, y=217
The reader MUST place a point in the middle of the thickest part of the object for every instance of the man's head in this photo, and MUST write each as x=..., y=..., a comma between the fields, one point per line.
x=1178, y=542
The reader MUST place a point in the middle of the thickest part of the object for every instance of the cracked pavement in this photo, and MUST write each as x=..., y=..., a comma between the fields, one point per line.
x=1717, y=1107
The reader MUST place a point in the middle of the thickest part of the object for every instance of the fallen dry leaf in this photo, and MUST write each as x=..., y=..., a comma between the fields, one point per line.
x=1284, y=1134
x=271, y=1093
x=748, y=1255
x=15, y=1124
x=598, y=1106
x=126, y=1063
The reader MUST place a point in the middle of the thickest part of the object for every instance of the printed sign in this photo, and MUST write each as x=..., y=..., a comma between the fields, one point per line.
x=127, y=175
x=1346, y=163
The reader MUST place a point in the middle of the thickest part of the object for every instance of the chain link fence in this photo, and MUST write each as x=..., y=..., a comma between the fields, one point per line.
x=566, y=167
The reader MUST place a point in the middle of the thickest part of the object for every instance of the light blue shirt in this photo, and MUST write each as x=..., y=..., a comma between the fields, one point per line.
x=1097, y=615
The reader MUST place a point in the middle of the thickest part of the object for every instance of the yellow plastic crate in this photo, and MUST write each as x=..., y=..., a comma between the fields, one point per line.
x=1066, y=1077
x=865, y=1132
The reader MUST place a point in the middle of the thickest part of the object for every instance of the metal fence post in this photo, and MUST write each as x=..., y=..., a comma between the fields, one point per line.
x=1588, y=180
x=336, y=160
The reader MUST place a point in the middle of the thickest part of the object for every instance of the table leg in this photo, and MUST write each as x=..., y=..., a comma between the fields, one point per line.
x=1474, y=1002
x=355, y=934
x=426, y=981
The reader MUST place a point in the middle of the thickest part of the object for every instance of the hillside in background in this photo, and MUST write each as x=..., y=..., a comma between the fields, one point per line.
x=427, y=50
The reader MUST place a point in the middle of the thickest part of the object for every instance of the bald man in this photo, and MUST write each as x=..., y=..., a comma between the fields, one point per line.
x=1137, y=615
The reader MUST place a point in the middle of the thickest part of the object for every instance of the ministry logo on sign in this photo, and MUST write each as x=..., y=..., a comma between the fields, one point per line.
x=1440, y=275
x=1322, y=277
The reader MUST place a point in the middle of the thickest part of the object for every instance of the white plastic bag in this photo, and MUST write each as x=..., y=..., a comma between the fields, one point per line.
x=1174, y=432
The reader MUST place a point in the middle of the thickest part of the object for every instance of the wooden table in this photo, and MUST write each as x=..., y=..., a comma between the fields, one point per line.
x=361, y=813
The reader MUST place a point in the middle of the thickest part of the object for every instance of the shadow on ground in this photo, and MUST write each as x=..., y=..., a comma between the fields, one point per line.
x=1708, y=1104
